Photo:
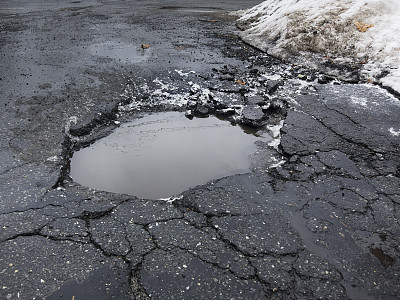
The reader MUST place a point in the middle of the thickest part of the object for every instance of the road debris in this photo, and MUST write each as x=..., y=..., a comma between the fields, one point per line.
x=362, y=27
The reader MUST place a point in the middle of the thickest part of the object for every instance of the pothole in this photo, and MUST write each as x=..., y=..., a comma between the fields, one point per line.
x=161, y=155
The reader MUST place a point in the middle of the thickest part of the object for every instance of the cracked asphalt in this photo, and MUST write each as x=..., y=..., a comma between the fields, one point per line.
x=316, y=218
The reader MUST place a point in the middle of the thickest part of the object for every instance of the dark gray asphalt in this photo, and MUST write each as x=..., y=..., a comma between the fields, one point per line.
x=317, y=218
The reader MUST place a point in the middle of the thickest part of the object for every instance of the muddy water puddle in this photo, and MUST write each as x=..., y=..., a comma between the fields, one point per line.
x=161, y=155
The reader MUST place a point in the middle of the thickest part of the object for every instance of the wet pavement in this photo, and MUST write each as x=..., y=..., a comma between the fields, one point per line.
x=315, y=218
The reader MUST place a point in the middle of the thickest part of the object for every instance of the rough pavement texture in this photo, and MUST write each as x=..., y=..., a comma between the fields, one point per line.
x=317, y=218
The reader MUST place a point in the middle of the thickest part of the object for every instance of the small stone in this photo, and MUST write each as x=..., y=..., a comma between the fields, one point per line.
x=189, y=114
x=201, y=110
x=255, y=100
x=323, y=79
x=254, y=71
x=225, y=112
x=145, y=46
x=227, y=77
x=252, y=116
x=272, y=85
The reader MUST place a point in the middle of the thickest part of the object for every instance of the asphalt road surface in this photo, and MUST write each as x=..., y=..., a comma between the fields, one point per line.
x=316, y=218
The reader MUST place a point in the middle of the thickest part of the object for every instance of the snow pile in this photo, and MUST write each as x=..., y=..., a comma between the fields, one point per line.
x=325, y=30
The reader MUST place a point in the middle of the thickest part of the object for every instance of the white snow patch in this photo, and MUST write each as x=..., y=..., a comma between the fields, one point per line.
x=274, y=143
x=53, y=158
x=277, y=164
x=194, y=86
x=394, y=132
x=183, y=74
x=163, y=86
x=275, y=131
x=171, y=199
x=327, y=28
x=271, y=76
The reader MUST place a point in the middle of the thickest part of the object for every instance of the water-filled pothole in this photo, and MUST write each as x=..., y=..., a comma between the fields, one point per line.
x=161, y=155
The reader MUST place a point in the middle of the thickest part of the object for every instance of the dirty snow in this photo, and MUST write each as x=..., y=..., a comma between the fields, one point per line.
x=326, y=28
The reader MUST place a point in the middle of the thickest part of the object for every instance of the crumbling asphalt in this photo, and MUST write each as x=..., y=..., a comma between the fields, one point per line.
x=316, y=218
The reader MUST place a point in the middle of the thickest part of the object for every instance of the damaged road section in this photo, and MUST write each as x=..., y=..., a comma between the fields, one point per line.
x=316, y=217
x=322, y=225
